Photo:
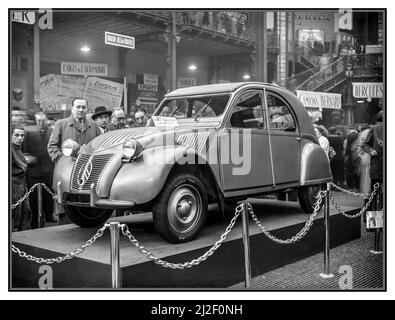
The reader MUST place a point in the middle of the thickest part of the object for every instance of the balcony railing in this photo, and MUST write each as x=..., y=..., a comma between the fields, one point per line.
x=339, y=66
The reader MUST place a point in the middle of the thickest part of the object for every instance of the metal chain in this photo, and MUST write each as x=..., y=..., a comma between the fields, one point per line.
x=301, y=233
x=189, y=264
x=376, y=186
x=68, y=256
x=48, y=189
x=25, y=196
x=362, y=195
x=29, y=192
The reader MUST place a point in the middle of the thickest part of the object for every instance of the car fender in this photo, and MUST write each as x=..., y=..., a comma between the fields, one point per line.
x=62, y=173
x=142, y=179
x=315, y=166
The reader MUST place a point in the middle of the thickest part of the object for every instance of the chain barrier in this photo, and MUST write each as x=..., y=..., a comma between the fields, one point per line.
x=68, y=256
x=189, y=264
x=29, y=192
x=372, y=194
x=301, y=233
x=361, y=195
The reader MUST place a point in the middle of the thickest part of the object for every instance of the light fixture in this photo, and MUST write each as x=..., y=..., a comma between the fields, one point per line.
x=85, y=49
x=192, y=67
x=360, y=101
x=246, y=76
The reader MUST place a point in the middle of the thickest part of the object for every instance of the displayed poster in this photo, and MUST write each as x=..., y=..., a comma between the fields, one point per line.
x=101, y=92
x=368, y=89
x=49, y=91
x=70, y=86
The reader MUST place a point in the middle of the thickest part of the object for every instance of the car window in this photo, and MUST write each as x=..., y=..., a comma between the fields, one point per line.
x=247, y=111
x=205, y=107
x=280, y=117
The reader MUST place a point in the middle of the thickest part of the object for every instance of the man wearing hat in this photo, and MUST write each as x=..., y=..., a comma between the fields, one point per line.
x=117, y=120
x=102, y=118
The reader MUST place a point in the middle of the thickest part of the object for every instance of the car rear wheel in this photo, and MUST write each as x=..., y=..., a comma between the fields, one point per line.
x=180, y=210
x=88, y=217
x=308, y=197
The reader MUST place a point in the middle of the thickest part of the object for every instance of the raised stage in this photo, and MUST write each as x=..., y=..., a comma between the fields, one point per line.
x=92, y=270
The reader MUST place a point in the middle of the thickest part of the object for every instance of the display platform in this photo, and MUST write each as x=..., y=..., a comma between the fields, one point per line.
x=92, y=270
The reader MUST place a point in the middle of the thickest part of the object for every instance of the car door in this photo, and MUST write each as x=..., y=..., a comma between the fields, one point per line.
x=285, y=139
x=245, y=134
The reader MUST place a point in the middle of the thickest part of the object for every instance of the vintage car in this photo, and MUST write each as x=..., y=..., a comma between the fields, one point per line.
x=207, y=144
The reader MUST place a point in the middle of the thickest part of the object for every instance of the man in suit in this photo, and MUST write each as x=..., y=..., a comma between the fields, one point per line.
x=36, y=141
x=102, y=118
x=76, y=127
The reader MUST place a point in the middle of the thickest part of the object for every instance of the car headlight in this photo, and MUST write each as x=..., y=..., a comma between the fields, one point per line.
x=70, y=147
x=131, y=148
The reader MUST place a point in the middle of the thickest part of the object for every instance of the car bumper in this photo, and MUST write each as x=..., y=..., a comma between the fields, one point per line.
x=89, y=200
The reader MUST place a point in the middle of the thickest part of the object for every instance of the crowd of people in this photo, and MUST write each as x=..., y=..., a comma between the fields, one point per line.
x=357, y=158
x=35, y=149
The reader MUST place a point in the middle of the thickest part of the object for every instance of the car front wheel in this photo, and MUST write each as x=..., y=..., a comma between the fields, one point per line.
x=180, y=210
x=88, y=217
x=308, y=197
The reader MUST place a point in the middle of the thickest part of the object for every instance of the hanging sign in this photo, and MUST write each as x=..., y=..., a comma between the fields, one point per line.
x=119, y=40
x=368, y=89
x=321, y=100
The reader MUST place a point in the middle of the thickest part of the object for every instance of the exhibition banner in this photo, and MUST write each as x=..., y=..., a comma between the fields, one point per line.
x=83, y=69
x=101, y=92
x=321, y=100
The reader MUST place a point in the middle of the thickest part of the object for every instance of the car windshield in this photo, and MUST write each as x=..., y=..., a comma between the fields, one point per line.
x=193, y=107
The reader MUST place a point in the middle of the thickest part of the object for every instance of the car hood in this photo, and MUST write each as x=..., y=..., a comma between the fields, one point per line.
x=153, y=136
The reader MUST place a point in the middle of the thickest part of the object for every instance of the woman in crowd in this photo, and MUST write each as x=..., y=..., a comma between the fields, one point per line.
x=21, y=215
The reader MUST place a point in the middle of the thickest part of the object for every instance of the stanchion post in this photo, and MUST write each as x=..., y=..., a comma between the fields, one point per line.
x=246, y=242
x=327, y=273
x=378, y=230
x=114, y=252
x=40, y=222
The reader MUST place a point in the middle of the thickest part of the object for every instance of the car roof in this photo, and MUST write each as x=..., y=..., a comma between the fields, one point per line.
x=212, y=88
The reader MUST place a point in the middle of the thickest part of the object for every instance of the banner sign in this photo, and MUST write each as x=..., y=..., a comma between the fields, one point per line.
x=84, y=69
x=151, y=79
x=119, y=40
x=186, y=82
x=368, y=89
x=100, y=92
x=321, y=100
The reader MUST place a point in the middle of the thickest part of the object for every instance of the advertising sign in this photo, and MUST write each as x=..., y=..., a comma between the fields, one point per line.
x=100, y=92
x=84, y=69
x=147, y=87
x=119, y=40
x=321, y=100
x=374, y=219
x=368, y=89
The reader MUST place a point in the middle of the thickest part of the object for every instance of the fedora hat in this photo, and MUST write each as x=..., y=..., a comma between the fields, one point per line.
x=99, y=111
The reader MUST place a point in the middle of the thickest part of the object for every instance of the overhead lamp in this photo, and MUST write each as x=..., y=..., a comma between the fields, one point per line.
x=246, y=76
x=360, y=101
x=192, y=67
x=85, y=49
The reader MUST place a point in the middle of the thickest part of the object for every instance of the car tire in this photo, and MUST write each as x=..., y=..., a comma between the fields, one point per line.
x=307, y=197
x=180, y=210
x=88, y=217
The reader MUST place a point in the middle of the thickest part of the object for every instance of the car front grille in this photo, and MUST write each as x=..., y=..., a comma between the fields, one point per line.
x=99, y=162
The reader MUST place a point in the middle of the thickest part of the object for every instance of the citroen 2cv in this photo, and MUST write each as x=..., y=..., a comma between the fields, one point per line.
x=206, y=144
